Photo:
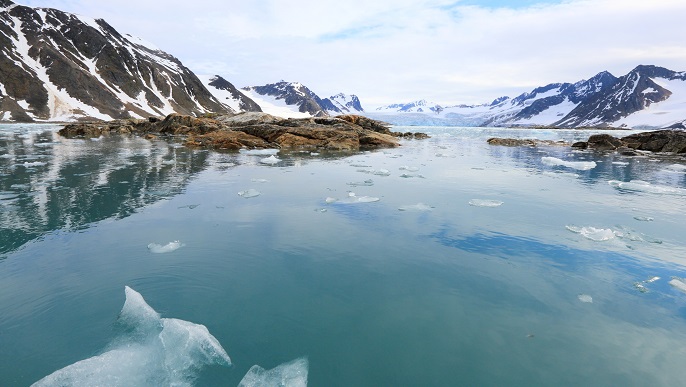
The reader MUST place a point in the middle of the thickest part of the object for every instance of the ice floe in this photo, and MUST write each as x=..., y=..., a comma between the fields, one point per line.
x=259, y=152
x=485, y=203
x=271, y=160
x=416, y=207
x=578, y=165
x=409, y=169
x=259, y=180
x=150, y=350
x=644, y=186
x=644, y=218
x=161, y=249
x=366, y=183
x=585, y=298
x=330, y=200
x=592, y=233
x=640, y=286
x=292, y=374
x=249, y=193
x=678, y=283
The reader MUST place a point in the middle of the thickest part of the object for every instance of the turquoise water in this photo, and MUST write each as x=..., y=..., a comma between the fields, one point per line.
x=547, y=278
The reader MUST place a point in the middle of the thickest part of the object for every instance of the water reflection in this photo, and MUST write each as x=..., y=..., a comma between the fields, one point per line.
x=48, y=183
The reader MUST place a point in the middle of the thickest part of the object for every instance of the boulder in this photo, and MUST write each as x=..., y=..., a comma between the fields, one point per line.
x=604, y=142
x=658, y=141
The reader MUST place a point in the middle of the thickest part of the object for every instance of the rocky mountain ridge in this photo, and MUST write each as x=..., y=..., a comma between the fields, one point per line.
x=648, y=96
x=58, y=66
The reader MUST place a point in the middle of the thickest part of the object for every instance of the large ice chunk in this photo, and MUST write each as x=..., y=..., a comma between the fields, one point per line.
x=578, y=165
x=151, y=351
x=292, y=374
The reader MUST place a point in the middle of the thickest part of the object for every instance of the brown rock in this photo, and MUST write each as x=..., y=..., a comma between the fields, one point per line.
x=604, y=142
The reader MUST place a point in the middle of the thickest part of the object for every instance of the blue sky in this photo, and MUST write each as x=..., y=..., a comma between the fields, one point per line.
x=389, y=51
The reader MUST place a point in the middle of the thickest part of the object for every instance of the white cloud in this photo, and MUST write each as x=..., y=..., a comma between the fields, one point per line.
x=392, y=51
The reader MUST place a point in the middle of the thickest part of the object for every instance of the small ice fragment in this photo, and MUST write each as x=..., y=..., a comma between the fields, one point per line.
x=640, y=287
x=644, y=186
x=360, y=165
x=330, y=200
x=678, y=283
x=321, y=210
x=485, y=203
x=644, y=218
x=292, y=374
x=314, y=153
x=367, y=199
x=415, y=207
x=381, y=172
x=169, y=247
x=249, y=193
x=409, y=169
x=579, y=165
x=366, y=183
x=592, y=233
x=271, y=160
x=652, y=279
x=620, y=163
x=259, y=180
x=259, y=152
x=585, y=298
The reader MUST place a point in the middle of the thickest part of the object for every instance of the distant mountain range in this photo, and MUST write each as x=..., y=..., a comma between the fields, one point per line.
x=649, y=96
x=58, y=66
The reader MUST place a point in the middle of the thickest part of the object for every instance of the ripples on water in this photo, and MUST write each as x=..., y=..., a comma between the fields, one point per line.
x=444, y=262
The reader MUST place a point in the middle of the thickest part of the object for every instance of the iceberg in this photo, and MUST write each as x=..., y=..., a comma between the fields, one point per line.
x=644, y=186
x=292, y=374
x=485, y=203
x=578, y=165
x=249, y=193
x=169, y=247
x=149, y=351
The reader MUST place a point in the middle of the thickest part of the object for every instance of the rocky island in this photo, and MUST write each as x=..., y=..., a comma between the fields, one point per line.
x=255, y=130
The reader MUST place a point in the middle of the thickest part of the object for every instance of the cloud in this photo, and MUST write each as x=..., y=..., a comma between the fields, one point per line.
x=393, y=51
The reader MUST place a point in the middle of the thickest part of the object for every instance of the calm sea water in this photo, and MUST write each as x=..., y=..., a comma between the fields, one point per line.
x=549, y=276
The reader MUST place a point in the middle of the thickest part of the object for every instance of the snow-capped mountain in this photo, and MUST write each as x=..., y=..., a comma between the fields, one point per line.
x=58, y=66
x=293, y=99
x=228, y=94
x=649, y=97
x=342, y=104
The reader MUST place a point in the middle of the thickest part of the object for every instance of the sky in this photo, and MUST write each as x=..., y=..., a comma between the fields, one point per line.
x=395, y=51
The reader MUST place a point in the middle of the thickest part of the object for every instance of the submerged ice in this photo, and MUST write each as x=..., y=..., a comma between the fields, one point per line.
x=149, y=351
x=644, y=186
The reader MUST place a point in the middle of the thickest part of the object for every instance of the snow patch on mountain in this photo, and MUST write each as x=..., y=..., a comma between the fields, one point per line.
x=275, y=106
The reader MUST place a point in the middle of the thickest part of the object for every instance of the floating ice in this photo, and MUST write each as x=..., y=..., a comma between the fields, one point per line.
x=33, y=164
x=259, y=180
x=249, y=193
x=416, y=207
x=271, y=160
x=485, y=203
x=352, y=198
x=366, y=183
x=652, y=279
x=644, y=186
x=579, y=165
x=620, y=163
x=169, y=247
x=381, y=172
x=678, y=283
x=680, y=168
x=330, y=200
x=259, y=152
x=409, y=169
x=633, y=235
x=150, y=351
x=585, y=298
x=292, y=374
x=358, y=165
x=592, y=233
x=644, y=218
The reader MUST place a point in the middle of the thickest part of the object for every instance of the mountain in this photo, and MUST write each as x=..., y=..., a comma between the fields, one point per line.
x=58, y=66
x=647, y=97
x=228, y=94
x=293, y=99
x=342, y=104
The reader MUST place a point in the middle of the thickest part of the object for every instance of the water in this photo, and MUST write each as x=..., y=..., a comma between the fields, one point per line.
x=315, y=277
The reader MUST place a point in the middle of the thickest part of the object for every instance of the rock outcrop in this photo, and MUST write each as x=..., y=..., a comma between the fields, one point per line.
x=673, y=141
x=523, y=142
x=255, y=130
